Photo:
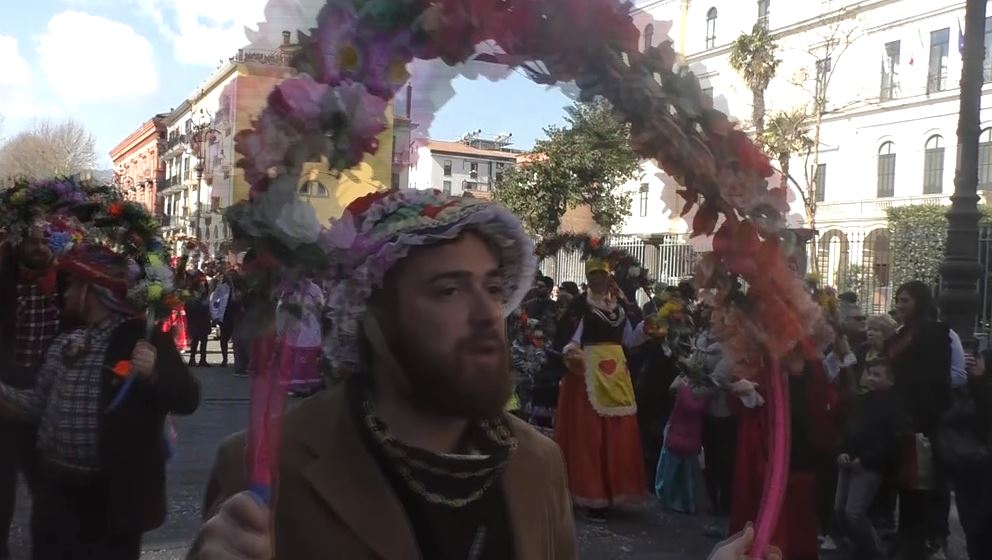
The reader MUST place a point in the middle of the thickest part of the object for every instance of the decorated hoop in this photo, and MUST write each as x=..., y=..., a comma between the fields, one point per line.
x=352, y=64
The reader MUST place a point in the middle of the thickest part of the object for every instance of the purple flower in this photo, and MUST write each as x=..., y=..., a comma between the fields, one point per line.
x=299, y=100
x=366, y=114
x=334, y=48
x=383, y=63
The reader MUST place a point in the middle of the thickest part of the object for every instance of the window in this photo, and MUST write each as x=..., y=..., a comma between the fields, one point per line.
x=822, y=79
x=447, y=168
x=933, y=166
x=474, y=170
x=314, y=189
x=985, y=160
x=649, y=36
x=645, y=190
x=937, y=73
x=764, y=10
x=890, y=64
x=394, y=180
x=711, y=28
x=446, y=187
x=499, y=171
x=887, y=170
x=820, y=182
x=987, y=65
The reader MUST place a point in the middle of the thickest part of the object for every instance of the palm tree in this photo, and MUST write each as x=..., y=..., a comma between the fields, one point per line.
x=787, y=134
x=753, y=57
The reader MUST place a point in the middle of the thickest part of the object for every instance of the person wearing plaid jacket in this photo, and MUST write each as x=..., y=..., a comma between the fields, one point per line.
x=102, y=465
x=29, y=322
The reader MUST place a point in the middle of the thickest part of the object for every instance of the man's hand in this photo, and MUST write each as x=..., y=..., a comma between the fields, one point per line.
x=739, y=547
x=842, y=347
x=240, y=531
x=143, y=360
x=844, y=460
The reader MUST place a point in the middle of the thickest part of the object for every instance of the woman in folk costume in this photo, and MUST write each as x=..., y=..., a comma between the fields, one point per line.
x=298, y=327
x=796, y=532
x=596, y=422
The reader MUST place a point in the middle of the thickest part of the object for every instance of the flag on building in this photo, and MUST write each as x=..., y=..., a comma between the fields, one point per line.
x=960, y=39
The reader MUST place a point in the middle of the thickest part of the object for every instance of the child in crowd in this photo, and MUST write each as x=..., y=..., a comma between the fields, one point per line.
x=678, y=466
x=869, y=454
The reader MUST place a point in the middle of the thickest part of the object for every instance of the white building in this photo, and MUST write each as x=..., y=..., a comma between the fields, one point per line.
x=889, y=71
x=460, y=167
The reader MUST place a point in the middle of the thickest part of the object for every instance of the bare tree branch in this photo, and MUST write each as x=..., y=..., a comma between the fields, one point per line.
x=49, y=149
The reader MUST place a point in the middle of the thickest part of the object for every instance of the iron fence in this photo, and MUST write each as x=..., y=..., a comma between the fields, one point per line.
x=668, y=258
x=873, y=265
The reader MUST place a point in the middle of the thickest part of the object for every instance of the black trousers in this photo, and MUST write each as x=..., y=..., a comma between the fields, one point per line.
x=720, y=443
x=226, y=332
x=71, y=521
x=198, y=344
x=18, y=454
x=973, y=496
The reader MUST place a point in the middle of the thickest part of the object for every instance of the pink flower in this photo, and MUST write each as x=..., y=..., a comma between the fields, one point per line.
x=383, y=63
x=299, y=100
x=265, y=145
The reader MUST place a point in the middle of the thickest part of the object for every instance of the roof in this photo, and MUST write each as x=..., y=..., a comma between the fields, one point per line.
x=463, y=150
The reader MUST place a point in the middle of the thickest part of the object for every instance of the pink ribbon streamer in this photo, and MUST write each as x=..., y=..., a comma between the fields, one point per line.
x=777, y=473
x=265, y=427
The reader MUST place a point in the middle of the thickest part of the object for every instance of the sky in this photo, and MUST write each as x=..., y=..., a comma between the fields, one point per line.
x=113, y=64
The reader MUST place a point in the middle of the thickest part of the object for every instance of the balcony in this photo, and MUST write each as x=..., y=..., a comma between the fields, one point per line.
x=874, y=209
x=271, y=58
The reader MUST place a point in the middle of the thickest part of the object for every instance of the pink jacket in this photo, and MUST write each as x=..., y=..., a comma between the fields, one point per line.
x=685, y=431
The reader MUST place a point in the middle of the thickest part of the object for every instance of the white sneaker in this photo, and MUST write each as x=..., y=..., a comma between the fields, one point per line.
x=828, y=544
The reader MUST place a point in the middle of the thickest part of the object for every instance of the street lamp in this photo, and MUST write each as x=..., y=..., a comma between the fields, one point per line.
x=960, y=270
x=200, y=138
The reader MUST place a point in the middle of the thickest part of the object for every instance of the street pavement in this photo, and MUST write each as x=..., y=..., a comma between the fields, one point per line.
x=633, y=534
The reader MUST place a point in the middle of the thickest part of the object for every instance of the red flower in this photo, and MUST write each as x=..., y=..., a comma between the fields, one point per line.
x=122, y=368
x=115, y=210
x=359, y=206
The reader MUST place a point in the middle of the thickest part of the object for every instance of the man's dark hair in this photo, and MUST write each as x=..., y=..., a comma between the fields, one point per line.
x=570, y=288
x=849, y=297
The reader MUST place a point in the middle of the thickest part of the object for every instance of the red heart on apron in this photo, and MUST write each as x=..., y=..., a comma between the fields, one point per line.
x=609, y=367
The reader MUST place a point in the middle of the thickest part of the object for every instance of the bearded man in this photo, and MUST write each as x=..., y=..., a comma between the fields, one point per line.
x=412, y=456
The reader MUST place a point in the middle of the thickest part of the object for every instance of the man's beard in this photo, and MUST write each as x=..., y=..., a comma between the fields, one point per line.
x=451, y=386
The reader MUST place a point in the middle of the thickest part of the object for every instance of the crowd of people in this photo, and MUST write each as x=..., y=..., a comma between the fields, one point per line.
x=894, y=418
x=612, y=402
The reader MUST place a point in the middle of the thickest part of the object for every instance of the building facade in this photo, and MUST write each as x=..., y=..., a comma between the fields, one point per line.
x=200, y=176
x=881, y=75
x=470, y=166
x=139, y=169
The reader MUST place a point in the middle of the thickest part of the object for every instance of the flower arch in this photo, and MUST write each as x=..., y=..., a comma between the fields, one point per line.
x=355, y=61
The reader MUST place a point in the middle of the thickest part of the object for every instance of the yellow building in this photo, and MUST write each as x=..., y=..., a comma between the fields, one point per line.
x=202, y=176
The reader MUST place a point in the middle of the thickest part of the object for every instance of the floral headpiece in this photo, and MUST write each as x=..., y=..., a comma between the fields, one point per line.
x=49, y=203
x=379, y=230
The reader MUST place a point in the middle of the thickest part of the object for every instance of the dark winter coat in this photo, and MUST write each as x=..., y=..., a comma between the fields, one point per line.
x=132, y=444
x=873, y=431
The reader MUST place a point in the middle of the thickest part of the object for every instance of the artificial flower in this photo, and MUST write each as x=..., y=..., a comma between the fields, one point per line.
x=154, y=292
x=115, y=210
x=122, y=368
x=299, y=100
x=333, y=41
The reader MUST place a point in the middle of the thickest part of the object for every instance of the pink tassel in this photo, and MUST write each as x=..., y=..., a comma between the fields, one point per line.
x=265, y=428
x=776, y=476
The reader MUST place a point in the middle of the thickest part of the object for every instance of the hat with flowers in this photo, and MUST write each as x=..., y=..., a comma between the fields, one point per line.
x=379, y=230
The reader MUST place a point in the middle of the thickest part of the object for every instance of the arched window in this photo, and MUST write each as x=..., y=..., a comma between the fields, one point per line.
x=887, y=170
x=314, y=189
x=649, y=36
x=985, y=160
x=933, y=165
x=711, y=28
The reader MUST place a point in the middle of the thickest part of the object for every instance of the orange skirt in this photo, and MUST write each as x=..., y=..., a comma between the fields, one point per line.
x=603, y=456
